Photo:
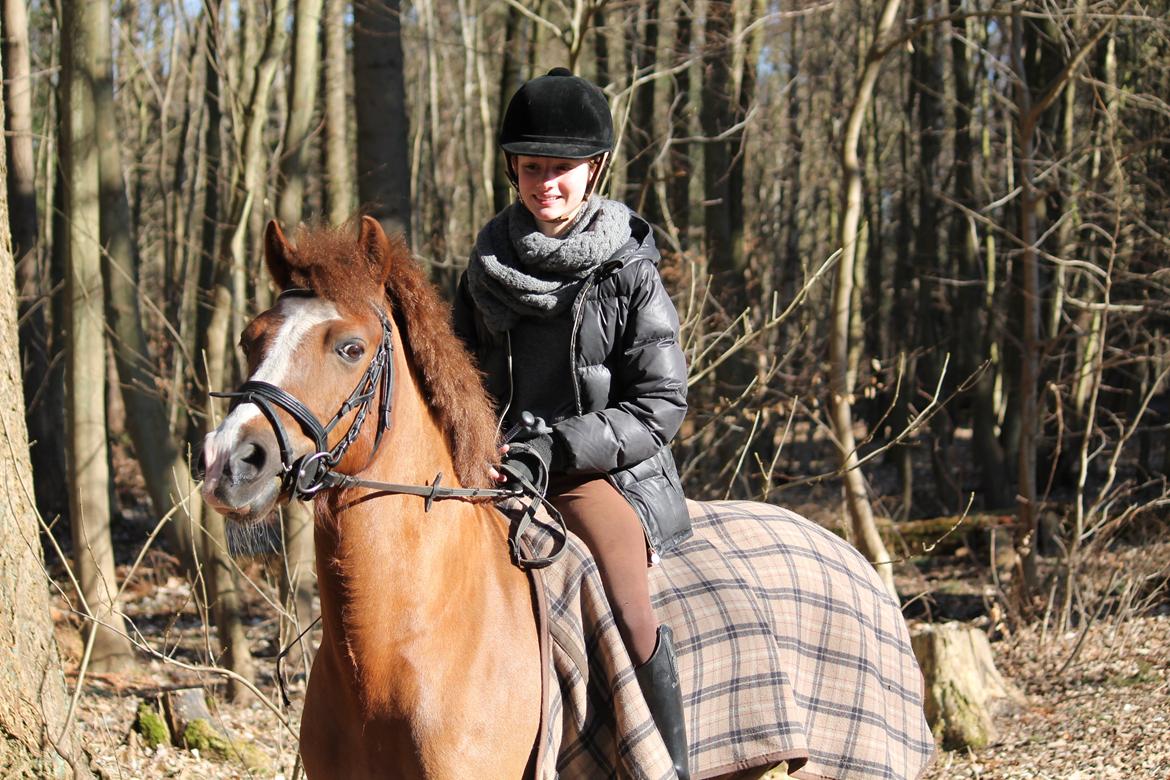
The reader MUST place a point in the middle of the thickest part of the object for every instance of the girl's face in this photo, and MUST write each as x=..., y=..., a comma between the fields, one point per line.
x=552, y=188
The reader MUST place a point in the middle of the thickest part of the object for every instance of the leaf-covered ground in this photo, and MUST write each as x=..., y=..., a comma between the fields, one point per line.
x=1107, y=715
x=1098, y=697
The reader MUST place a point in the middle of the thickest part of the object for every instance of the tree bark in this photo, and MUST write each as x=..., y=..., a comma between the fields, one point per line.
x=164, y=466
x=302, y=101
x=510, y=80
x=857, y=504
x=89, y=478
x=678, y=185
x=42, y=387
x=382, y=127
x=934, y=337
x=298, y=579
x=640, y=132
x=302, y=106
x=964, y=690
x=716, y=117
x=1029, y=112
x=34, y=740
x=339, y=185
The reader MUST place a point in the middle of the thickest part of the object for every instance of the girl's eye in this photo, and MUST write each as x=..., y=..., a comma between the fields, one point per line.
x=351, y=350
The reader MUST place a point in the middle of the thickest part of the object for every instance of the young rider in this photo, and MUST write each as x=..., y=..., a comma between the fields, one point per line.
x=563, y=306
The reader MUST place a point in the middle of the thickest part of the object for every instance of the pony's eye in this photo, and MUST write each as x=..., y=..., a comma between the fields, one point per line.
x=351, y=350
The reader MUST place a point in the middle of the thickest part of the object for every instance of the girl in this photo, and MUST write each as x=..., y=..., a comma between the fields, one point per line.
x=563, y=306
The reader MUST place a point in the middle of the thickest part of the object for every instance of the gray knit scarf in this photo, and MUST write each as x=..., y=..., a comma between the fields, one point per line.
x=517, y=271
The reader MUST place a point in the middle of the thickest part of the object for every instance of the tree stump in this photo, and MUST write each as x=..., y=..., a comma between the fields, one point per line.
x=183, y=707
x=964, y=690
x=193, y=727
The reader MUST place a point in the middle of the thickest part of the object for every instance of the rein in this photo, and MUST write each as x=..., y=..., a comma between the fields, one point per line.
x=303, y=478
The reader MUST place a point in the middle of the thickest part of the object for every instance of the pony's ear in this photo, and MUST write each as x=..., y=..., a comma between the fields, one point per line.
x=278, y=253
x=375, y=248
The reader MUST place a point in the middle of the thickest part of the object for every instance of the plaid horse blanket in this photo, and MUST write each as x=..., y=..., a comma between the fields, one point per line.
x=789, y=649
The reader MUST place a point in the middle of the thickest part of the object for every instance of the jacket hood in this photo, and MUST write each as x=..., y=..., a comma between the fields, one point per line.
x=640, y=244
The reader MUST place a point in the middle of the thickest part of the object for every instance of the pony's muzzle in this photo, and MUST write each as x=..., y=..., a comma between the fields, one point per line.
x=242, y=478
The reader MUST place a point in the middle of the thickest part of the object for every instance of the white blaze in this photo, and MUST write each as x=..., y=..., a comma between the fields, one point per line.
x=301, y=315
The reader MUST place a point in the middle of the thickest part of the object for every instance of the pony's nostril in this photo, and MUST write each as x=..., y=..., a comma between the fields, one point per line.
x=247, y=461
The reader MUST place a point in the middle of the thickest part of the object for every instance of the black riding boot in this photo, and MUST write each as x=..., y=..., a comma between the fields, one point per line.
x=658, y=678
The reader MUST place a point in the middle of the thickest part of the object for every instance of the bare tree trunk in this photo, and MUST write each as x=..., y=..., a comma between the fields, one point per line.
x=89, y=477
x=433, y=221
x=302, y=105
x=487, y=141
x=163, y=463
x=36, y=740
x=1030, y=326
x=469, y=23
x=640, y=132
x=42, y=391
x=298, y=579
x=224, y=318
x=1029, y=113
x=860, y=512
x=339, y=186
x=678, y=185
x=20, y=181
x=792, y=169
x=509, y=82
x=302, y=101
x=989, y=450
x=382, y=127
x=746, y=52
x=934, y=335
x=716, y=117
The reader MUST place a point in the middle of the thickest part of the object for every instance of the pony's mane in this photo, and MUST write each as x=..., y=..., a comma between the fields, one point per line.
x=327, y=263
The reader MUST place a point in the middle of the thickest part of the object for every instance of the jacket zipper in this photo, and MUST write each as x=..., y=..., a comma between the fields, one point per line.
x=511, y=385
x=578, y=307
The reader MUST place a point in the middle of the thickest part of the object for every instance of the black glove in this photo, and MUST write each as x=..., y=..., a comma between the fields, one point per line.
x=532, y=459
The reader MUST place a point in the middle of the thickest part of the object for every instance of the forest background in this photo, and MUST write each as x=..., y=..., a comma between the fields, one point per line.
x=919, y=249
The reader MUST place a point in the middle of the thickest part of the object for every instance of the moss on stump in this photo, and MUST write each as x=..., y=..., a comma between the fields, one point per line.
x=151, y=726
x=202, y=736
x=964, y=690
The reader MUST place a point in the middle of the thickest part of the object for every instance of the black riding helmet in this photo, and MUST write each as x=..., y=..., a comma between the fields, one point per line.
x=556, y=115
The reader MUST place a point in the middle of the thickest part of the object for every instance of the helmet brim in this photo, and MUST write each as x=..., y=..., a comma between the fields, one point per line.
x=569, y=151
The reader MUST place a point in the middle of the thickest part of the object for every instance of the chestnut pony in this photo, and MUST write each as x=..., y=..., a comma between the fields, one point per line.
x=429, y=663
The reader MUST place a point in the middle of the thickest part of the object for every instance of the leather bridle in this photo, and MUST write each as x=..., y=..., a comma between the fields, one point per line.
x=304, y=477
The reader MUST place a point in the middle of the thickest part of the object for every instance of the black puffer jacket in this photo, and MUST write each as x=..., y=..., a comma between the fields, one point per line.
x=629, y=383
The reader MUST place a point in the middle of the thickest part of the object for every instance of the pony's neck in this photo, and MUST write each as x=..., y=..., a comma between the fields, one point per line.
x=393, y=577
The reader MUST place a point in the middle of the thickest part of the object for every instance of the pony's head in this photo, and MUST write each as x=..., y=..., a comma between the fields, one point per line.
x=320, y=363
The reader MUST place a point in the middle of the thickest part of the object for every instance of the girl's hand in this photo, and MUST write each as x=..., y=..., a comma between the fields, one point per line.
x=495, y=475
